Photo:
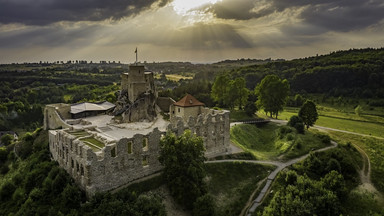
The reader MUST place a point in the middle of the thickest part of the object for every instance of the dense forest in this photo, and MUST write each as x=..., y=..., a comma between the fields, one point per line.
x=355, y=73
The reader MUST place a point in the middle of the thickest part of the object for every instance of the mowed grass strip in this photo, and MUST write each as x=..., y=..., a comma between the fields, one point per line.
x=357, y=126
x=232, y=183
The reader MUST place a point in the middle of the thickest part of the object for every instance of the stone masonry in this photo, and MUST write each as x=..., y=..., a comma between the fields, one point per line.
x=101, y=153
x=116, y=164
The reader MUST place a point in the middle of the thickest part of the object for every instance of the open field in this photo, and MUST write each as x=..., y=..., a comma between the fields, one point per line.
x=365, y=124
x=174, y=77
x=271, y=142
x=231, y=184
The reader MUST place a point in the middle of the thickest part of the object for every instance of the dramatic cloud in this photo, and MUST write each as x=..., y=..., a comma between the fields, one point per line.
x=96, y=30
x=335, y=15
x=43, y=12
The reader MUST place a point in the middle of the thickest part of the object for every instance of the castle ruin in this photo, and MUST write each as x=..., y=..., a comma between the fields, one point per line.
x=103, y=151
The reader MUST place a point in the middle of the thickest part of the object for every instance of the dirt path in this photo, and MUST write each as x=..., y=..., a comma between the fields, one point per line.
x=365, y=176
x=280, y=166
x=365, y=172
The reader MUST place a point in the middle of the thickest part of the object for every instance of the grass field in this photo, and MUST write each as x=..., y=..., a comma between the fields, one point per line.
x=365, y=124
x=270, y=142
x=174, y=77
x=240, y=115
x=231, y=184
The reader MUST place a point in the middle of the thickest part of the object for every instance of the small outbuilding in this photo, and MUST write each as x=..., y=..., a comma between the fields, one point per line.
x=186, y=107
x=86, y=109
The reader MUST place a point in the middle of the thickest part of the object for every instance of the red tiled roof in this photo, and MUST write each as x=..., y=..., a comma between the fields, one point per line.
x=188, y=101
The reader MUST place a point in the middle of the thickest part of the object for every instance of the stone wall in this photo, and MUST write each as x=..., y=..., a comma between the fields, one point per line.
x=185, y=112
x=114, y=165
x=212, y=125
x=55, y=115
x=164, y=103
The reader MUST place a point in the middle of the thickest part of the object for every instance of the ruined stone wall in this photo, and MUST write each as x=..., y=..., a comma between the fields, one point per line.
x=113, y=166
x=164, y=103
x=212, y=125
x=124, y=81
x=55, y=115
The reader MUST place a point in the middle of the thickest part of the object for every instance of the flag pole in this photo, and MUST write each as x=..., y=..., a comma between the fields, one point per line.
x=136, y=56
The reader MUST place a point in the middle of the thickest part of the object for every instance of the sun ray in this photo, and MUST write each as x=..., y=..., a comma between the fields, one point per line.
x=184, y=7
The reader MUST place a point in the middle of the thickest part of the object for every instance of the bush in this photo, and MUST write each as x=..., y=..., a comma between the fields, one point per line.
x=296, y=122
x=204, y=206
x=250, y=108
x=326, y=139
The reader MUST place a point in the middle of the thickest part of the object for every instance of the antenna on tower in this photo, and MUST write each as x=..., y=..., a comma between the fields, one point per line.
x=136, y=56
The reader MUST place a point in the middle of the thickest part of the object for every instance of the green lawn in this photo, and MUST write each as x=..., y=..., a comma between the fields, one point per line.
x=94, y=142
x=79, y=133
x=240, y=115
x=231, y=184
x=370, y=125
x=270, y=141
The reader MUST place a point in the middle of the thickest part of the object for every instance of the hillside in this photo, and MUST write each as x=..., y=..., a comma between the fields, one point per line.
x=355, y=72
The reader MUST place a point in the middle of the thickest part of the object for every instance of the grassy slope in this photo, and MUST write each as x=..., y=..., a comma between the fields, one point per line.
x=231, y=184
x=375, y=150
x=266, y=143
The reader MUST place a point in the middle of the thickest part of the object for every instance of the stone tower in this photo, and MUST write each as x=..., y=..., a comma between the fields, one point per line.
x=137, y=99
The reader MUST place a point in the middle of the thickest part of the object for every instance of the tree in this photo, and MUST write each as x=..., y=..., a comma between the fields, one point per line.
x=204, y=206
x=358, y=110
x=6, y=139
x=220, y=88
x=308, y=113
x=250, y=108
x=183, y=161
x=228, y=92
x=296, y=122
x=272, y=94
x=237, y=93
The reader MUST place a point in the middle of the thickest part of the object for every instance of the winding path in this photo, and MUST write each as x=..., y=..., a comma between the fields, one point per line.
x=272, y=175
x=365, y=172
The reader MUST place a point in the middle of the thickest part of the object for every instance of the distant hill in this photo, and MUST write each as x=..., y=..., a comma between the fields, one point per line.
x=355, y=72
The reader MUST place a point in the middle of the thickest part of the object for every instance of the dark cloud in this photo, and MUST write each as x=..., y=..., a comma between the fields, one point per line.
x=44, y=12
x=238, y=10
x=336, y=15
x=51, y=36
x=209, y=36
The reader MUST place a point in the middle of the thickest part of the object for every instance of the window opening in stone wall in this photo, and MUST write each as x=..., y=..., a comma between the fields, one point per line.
x=145, y=144
x=77, y=167
x=145, y=161
x=82, y=170
x=72, y=165
x=178, y=109
x=129, y=147
x=113, y=152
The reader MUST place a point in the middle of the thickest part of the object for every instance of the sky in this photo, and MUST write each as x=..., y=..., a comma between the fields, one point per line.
x=199, y=31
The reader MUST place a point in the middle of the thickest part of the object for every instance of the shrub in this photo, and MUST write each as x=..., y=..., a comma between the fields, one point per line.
x=204, y=206
x=296, y=122
x=290, y=137
x=326, y=139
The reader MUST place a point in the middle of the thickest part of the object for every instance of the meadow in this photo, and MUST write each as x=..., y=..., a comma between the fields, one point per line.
x=368, y=123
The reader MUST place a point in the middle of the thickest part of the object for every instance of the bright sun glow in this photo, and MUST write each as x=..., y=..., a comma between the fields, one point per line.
x=183, y=7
